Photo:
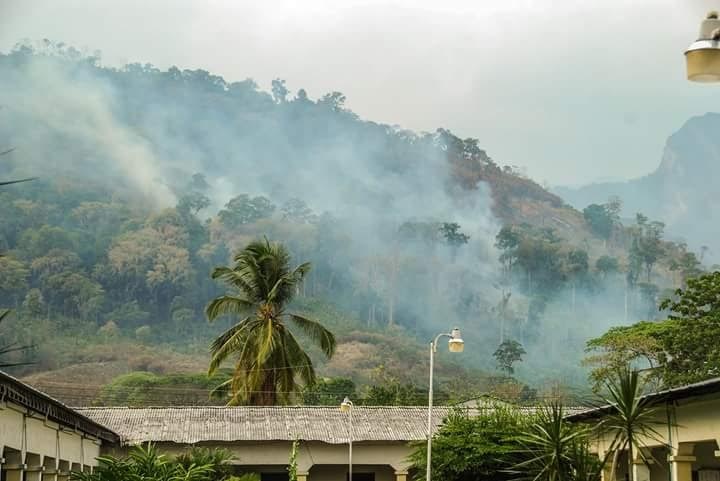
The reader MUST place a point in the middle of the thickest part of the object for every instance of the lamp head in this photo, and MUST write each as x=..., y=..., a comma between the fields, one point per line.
x=703, y=56
x=346, y=405
x=456, y=344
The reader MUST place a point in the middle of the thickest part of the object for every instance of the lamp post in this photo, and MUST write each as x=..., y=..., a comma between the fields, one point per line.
x=455, y=344
x=347, y=407
x=703, y=56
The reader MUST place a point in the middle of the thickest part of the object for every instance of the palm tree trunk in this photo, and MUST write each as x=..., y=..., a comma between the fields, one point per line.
x=630, y=459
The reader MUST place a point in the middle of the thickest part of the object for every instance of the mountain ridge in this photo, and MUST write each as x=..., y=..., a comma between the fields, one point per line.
x=681, y=191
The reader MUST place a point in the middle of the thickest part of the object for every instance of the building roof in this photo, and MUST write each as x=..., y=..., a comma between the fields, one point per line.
x=15, y=391
x=189, y=425
x=709, y=386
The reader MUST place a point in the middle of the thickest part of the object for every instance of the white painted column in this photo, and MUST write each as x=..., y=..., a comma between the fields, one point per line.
x=401, y=475
x=33, y=467
x=681, y=460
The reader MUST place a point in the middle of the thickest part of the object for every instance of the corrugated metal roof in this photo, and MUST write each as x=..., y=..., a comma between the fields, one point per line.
x=188, y=425
x=709, y=386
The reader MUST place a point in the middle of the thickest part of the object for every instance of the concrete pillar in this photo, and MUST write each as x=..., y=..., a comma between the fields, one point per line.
x=14, y=467
x=63, y=473
x=33, y=468
x=401, y=475
x=681, y=467
x=641, y=472
x=302, y=476
x=14, y=472
x=681, y=460
x=50, y=471
x=607, y=471
x=641, y=464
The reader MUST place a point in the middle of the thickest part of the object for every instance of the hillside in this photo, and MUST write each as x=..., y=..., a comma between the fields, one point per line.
x=682, y=191
x=150, y=178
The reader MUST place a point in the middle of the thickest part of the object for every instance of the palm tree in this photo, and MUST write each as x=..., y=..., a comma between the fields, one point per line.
x=270, y=361
x=556, y=450
x=632, y=420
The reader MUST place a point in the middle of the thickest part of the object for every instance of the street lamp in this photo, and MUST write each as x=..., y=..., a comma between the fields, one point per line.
x=347, y=407
x=455, y=344
x=703, y=56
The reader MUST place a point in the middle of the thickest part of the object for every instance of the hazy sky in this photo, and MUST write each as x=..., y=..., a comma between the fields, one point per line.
x=573, y=90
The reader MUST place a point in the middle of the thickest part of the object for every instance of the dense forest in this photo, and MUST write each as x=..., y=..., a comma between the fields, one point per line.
x=148, y=179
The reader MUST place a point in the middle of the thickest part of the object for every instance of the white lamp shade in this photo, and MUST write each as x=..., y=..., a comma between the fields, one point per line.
x=703, y=56
x=456, y=344
x=703, y=64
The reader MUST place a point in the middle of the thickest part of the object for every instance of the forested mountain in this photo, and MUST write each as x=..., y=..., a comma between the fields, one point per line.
x=148, y=179
x=682, y=191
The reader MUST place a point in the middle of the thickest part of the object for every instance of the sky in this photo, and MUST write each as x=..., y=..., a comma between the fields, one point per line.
x=571, y=91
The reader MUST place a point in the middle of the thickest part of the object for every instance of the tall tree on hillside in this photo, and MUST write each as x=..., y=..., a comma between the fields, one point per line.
x=20, y=275
x=647, y=247
x=453, y=236
x=508, y=353
x=576, y=267
x=269, y=360
x=599, y=220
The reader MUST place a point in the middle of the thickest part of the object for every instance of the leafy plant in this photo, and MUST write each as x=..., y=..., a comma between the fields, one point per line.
x=471, y=448
x=145, y=463
x=556, y=450
x=632, y=419
x=217, y=459
x=292, y=462
x=245, y=477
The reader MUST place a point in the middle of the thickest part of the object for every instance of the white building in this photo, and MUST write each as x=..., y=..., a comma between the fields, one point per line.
x=41, y=439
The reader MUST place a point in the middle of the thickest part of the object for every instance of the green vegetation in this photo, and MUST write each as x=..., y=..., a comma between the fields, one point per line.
x=139, y=389
x=503, y=443
x=679, y=350
x=508, y=353
x=469, y=448
x=269, y=357
x=144, y=462
x=631, y=422
x=553, y=449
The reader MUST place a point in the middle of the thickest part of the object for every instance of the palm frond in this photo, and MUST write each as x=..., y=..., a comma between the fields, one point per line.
x=321, y=336
x=227, y=304
x=237, y=280
x=228, y=342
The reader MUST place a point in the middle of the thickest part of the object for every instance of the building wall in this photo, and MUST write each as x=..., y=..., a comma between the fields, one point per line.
x=35, y=449
x=686, y=443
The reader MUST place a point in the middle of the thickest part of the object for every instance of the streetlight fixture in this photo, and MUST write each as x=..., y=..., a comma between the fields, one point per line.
x=703, y=56
x=347, y=407
x=455, y=344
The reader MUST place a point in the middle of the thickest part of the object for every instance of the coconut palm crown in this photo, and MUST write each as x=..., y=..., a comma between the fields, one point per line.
x=270, y=363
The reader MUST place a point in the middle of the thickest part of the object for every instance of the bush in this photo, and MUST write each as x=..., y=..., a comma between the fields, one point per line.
x=473, y=448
